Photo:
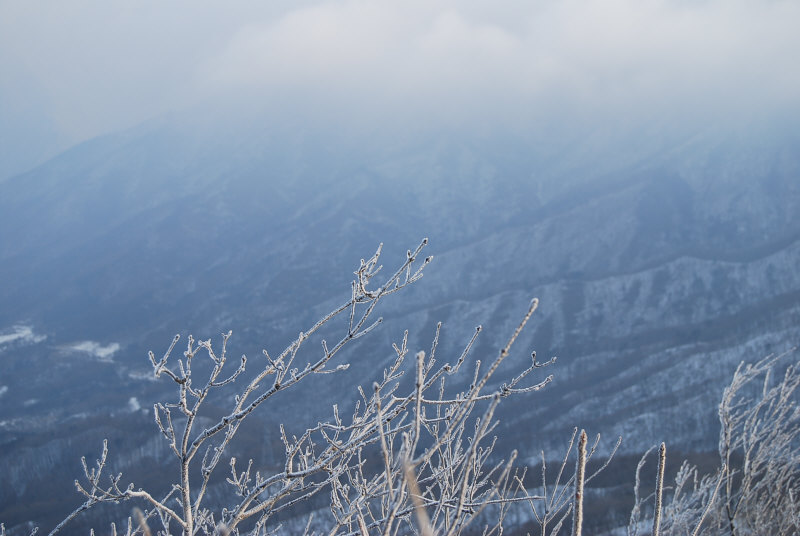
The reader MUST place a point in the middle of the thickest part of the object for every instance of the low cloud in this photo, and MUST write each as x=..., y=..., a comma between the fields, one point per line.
x=622, y=55
x=100, y=66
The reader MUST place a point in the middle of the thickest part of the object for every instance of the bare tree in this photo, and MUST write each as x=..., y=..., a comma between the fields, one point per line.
x=438, y=472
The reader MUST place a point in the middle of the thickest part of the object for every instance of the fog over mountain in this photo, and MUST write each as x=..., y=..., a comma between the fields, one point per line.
x=229, y=174
x=75, y=70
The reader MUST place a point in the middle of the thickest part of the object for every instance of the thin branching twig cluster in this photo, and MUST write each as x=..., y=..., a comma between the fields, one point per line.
x=199, y=450
x=425, y=443
x=414, y=455
x=552, y=505
x=755, y=489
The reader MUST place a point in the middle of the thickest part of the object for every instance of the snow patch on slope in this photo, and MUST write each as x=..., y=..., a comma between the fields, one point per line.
x=19, y=334
x=95, y=349
x=133, y=404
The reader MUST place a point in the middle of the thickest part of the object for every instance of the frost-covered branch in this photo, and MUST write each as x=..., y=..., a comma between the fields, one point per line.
x=416, y=453
x=758, y=480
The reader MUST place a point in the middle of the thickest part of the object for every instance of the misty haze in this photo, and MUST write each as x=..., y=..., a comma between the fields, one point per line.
x=192, y=168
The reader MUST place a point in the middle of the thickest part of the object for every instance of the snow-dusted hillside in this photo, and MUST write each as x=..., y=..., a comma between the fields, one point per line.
x=658, y=269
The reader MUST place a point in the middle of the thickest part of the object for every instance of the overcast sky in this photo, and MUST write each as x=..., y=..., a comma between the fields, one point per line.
x=72, y=70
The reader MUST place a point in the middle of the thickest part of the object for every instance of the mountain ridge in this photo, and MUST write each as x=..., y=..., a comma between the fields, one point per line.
x=677, y=258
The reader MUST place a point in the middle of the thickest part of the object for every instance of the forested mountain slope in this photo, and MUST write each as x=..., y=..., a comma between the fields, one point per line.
x=660, y=262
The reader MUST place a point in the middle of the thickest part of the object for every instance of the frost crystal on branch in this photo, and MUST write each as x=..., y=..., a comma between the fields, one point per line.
x=436, y=473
